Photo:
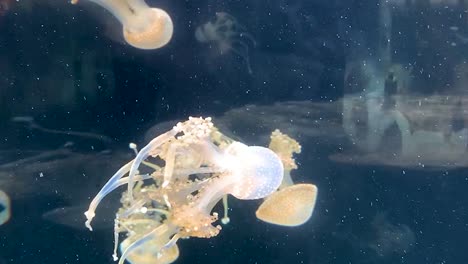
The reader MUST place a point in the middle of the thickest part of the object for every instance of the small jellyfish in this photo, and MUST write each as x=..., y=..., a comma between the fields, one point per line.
x=144, y=27
x=228, y=35
x=5, y=204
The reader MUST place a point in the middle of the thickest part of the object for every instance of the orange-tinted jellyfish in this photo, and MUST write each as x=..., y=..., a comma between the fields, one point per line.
x=228, y=35
x=144, y=27
x=293, y=204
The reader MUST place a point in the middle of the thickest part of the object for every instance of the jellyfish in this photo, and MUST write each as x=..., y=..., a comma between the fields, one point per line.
x=144, y=27
x=293, y=204
x=5, y=204
x=175, y=181
x=228, y=35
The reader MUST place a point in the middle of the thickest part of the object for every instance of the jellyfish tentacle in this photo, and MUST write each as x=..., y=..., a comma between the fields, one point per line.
x=243, y=52
x=169, y=168
x=144, y=153
x=111, y=184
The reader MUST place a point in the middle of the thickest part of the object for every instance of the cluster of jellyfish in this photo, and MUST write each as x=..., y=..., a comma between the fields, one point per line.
x=176, y=180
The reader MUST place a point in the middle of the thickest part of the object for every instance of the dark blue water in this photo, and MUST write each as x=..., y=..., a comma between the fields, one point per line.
x=65, y=67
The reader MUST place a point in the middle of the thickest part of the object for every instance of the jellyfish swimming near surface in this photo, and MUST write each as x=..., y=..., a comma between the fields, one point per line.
x=144, y=27
x=5, y=207
x=228, y=35
x=176, y=180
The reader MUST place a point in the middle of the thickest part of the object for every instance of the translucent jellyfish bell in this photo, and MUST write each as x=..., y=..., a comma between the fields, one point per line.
x=258, y=171
x=249, y=173
x=291, y=206
x=143, y=27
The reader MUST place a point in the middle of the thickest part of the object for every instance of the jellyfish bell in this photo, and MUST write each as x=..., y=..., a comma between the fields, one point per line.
x=258, y=171
x=144, y=35
x=144, y=27
x=291, y=206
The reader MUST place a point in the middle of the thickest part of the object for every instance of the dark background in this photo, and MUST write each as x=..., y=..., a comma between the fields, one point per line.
x=301, y=53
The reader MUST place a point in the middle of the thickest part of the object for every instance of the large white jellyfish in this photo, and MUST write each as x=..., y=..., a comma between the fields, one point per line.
x=174, y=183
x=144, y=27
x=228, y=35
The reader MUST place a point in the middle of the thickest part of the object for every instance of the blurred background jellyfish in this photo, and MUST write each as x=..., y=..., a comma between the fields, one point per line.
x=228, y=35
x=144, y=27
x=5, y=210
